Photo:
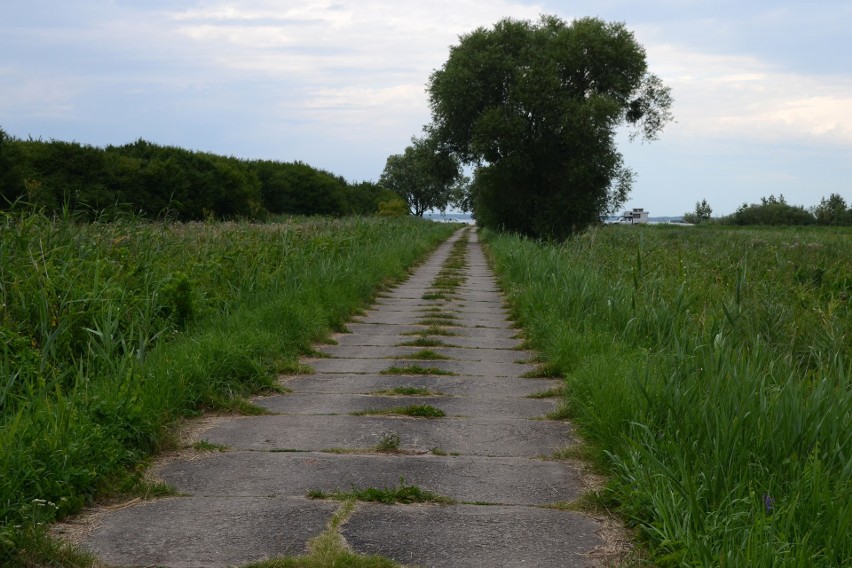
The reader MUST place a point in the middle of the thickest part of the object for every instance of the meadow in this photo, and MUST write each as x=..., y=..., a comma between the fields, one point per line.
x=111, y=333
x=708, y=370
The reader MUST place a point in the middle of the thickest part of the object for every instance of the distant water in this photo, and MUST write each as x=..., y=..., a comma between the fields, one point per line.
x=467, y=219
x=450, y=217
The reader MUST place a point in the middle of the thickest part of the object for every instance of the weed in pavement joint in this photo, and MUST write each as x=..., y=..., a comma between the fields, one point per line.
x=389, y=442
x=329, y=549
x=413, y=410
x=415, y=370
x=402, y=493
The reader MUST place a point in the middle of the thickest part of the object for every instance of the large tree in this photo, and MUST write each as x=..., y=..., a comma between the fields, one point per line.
x=424, y=175
x=535, y=107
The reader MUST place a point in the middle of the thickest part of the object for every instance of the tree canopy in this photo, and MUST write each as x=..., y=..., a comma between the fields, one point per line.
x=424, y=176
x=535, y=108
x=153, y=180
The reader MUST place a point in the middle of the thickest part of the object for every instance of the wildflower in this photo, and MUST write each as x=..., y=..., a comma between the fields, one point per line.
x=768, y=503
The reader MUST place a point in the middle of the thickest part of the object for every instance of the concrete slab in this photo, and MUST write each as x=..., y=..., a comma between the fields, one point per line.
x=472, y=407
x=414, y=317
x=407, y=331
x=391, y=352
x=496, y=437
x=269, y=474
x=248, y=503
x=213, y=531
x=466, y=536
x=364, y=384
x=390, y=340
x=463, y=368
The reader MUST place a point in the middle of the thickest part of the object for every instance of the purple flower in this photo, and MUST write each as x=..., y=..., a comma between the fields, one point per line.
x=768, y=503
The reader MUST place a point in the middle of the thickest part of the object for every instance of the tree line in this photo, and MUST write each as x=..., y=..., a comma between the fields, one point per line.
x=164, y=181
x=831, y=211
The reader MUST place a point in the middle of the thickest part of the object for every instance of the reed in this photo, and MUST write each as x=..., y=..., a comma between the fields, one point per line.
x=109, y=332
x=709, y=369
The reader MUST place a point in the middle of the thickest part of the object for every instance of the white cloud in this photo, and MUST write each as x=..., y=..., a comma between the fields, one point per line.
x=746, y=98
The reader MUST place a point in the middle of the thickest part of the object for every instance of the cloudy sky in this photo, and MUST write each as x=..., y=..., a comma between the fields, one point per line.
x=763, y=89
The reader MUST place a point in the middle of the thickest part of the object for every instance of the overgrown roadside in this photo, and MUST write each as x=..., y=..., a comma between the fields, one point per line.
x=709, y=371
x=111, y=332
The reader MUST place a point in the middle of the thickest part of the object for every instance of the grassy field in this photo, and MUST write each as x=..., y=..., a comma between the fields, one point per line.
x=709, y=371
x=109, y=333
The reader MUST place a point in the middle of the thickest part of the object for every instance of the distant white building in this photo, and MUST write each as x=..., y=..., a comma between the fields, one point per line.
x=634, y=217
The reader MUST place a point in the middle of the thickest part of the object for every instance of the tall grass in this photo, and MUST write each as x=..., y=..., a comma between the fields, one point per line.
x=111, y=332
x=709, y=369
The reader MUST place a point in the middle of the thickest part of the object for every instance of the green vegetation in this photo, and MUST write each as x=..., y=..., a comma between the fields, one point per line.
x=701, y=214
x=407, y=391
x=770, y=211
x=437, y=296
x=423, y=355
x=402, y=493
x=415, y=370
x=425, y=176
x=329, y=550
x=710, y=370
x=205, y=446
x=831, y=212
x=416, y=410
x=168, y=182
x=389, y=442
x=423, y=341
x=111, y=332
x=548, y=393
x=544, y=371
x=535, y=108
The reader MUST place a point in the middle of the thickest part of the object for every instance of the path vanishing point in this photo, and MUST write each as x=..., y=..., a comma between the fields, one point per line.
x=488, y=454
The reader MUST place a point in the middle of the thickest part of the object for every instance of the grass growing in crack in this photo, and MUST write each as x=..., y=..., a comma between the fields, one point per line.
x=415, y=410
x=423, y=342
x=439, y=315
x=432, y=330
x=329, y=549
x=243, y=407
x=388, y=442
x=439, y=452
x=444, y=283
x=437, y=322
x=407, y=391
x=424, y=355
x=593, y=502
x=416, y=370
x=544, y=371
x=132, y=484
x=562, y=412
x=402, y=493
x=205, y=446
x=294, y=368
x=436, y=296
x=548, y=393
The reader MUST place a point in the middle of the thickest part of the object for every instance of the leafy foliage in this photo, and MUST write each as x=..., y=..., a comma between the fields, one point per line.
x=833, y=211
x=535, y=108
x=424, y=176
x=770, y=211
x=701, y=214
x=162, y=181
